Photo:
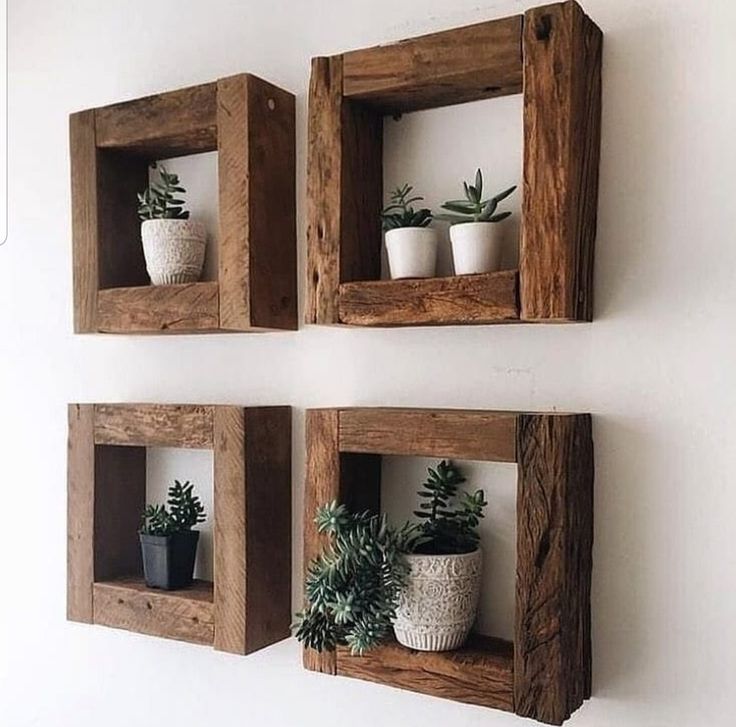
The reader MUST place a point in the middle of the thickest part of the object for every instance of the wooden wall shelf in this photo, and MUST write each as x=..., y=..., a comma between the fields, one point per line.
x=250, y=123
x=553, y=55
x=546, y=673
x=249, y=604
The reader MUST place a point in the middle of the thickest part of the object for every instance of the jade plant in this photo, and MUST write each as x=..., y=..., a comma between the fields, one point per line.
x=400, y=213
x=184, y=511
x=474, y=208
x=160, y=200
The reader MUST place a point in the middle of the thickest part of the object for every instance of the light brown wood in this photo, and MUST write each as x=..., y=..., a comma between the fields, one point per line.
x=450, y=67
x=458, y=433
x=154, y=425
x=555, y=538
x=484, y=298
x=185, y=615
x=562, y=106
x=168, y=124
x=159, y=309
x=83, y=156
x=80, y=512
x=481, y=672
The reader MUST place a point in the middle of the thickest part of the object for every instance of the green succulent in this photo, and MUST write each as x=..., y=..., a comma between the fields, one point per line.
x=400, y=213
x=159, y=199
x=474, y=208
x=185, y=510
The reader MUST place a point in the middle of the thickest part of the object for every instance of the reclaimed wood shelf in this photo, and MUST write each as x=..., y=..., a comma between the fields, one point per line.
x=250, y=123
x=551, y=54
x=248, y=606
x=546, y=673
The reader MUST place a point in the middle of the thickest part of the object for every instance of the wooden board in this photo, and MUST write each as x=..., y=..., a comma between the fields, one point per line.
x=484, y=298
x=455, y=433
x=158, y=309
x=554, y=545
x=479, y=673
x=450, y=67
x=154, y=425
x=185, y=615
x=562, y=107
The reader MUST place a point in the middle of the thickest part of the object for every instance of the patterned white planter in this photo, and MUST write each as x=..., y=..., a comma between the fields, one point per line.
x=439, y=604
x=174, y=250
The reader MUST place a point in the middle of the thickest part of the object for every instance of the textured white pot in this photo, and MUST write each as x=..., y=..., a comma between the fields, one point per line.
x=476, y=247
x=439, y=604
x=174, y=250
x=412, y=252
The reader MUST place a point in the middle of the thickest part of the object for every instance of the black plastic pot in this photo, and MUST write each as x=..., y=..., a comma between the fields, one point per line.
x=168, y=560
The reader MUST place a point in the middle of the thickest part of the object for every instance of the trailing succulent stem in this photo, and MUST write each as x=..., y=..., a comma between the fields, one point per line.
x=159, y=199
x=400, y=213
x=185, y=510
x=474, y=208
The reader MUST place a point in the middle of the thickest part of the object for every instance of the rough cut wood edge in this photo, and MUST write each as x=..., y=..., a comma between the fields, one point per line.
x=552, y=664
x=154, y=425
x=562, y=107
x=322, y=485
x=182, y=615
x=480, y=673
x=168, y=124
x=80, y=512
x=452, y=66
x=477, y=299
x=83, y=159
x=159, y=309
x=463, y=434
x=230, y=529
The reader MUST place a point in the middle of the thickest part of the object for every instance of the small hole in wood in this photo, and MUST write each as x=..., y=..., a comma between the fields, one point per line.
x=195, y=619
x=271, y=104
x=120, y=601
x=149, y=606
x=543, y=28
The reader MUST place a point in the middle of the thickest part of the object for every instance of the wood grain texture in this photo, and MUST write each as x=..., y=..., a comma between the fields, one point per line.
x=230, y=529
x=80, y=512
x=450, y=67
x=154, y=425
x=175, y=123
x=481, y=672
x=552, y=662
x=562, y=106
x=457, y=433
x=83, y=159
x=159, y=309
x=185, y=615
x=479, y=299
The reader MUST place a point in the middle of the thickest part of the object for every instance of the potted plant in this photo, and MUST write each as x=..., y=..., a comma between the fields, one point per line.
x=410, y=243
x=353, y=586
x=438, y=605
x=475, y=245
x=168, y=543
x=173, y=245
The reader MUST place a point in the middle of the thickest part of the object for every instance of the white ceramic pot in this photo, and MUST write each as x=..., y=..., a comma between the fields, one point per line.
x=412, y=252
x=174, y=250
x=476, y=247
x=439, y=604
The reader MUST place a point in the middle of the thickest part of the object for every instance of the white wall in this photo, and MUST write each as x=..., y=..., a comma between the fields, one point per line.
x=656, y=368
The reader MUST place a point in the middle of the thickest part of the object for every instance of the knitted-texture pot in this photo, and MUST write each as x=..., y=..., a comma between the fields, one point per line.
x=439, y=604
x=174, y=250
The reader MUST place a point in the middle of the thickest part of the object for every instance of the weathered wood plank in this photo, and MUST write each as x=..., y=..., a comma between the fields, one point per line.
x=154, y=425
x=484, y=298
x=185, y=615
x=450, y=67
x=481, y=672
x=458, y=433
x=159, y=308
x=562, y=107
x=552, y=663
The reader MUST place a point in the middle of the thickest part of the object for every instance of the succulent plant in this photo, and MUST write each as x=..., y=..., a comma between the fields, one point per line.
x=474, y=208
x=184, y=512
x=159, y=199
x=400, y=213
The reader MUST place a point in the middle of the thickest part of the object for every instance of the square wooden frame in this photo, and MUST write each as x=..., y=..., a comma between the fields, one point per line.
x=553, y=53
x=249, y=604
x=546, y=673
x=250, y=123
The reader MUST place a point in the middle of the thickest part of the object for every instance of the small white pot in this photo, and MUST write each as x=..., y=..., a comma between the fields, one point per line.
x=412, y=252
x=174, y=250
x=476, y=247
x=439, y=604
